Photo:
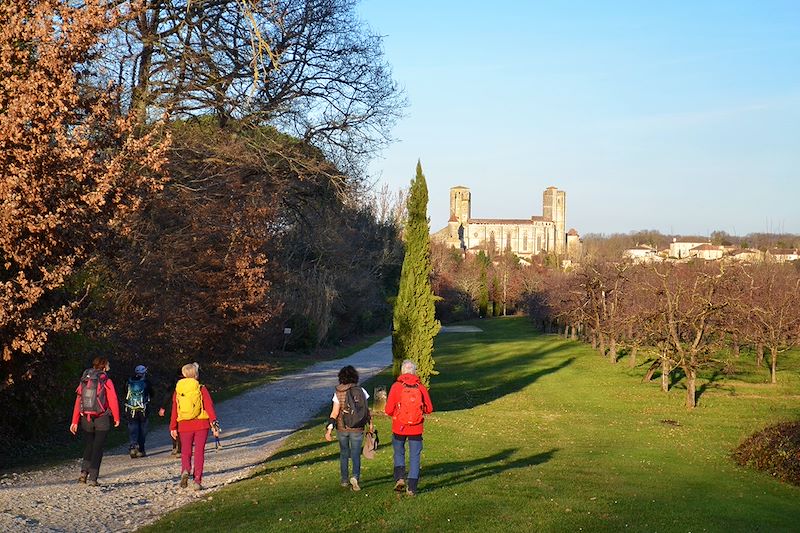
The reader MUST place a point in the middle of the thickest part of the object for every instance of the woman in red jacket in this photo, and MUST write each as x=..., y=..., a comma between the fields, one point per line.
x=95, y=405
x=192, y=416
x=407, y=404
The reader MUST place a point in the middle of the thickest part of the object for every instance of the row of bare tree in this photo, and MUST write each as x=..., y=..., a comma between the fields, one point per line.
x=683, y=314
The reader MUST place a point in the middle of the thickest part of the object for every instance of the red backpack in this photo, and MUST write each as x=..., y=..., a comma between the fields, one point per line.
x=93, y=393
x=409, y=409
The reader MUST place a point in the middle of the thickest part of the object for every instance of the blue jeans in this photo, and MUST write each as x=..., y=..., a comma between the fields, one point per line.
x=414, y=451
x=137, y=431
x=350, y=448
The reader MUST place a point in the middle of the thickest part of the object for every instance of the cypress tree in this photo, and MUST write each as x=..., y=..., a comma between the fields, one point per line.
x=414, y=325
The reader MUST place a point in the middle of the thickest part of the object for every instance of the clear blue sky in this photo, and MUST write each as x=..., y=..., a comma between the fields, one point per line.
x=680, y=116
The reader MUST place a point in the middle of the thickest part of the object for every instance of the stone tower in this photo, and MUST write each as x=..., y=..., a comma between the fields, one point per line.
x=554, y=207
x=460, y=212
x=460, y=204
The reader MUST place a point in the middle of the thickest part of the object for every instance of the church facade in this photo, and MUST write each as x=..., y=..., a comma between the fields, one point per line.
x=525, y=237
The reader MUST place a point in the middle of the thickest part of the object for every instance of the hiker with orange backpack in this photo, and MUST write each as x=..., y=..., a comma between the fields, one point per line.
x=95, y=405
x=192, y=416
x=407, y=403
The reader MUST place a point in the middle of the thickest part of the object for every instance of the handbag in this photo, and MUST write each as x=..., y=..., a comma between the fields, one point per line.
x=370, y=444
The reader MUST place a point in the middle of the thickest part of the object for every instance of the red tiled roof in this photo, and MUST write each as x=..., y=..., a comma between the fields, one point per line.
x=705, y=247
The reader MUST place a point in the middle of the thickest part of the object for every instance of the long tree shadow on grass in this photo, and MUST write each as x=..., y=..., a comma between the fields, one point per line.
x=493, y=381
x=459, y=472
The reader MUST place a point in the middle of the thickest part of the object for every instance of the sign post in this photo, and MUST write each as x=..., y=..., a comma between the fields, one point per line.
x=286, y=333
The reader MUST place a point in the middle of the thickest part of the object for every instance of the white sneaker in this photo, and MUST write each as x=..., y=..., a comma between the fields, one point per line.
x=354, y=483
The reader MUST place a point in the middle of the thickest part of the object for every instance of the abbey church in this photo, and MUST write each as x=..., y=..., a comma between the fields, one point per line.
x=524, y=237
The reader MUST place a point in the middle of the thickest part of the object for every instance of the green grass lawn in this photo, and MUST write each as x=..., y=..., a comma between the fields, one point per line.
x=534, y=433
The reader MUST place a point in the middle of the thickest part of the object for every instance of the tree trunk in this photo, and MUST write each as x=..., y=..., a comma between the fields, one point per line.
x=773, y=364
x=601, y=347
x=612, y=350
x=759, y=355
x=691, y=387
x=664, y=375
x=566, y=330
x=593, y=337
x=735, y=343
x=632, y=360
x=573, y=331
x=648, y=377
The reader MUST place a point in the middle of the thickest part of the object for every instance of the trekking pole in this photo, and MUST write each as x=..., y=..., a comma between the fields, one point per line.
x=215, y=425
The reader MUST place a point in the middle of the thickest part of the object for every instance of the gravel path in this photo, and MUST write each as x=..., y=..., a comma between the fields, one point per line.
x=137, y=492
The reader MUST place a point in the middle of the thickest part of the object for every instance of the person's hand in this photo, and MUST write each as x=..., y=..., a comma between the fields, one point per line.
x=371, y=427
x=173, y=433
x=73, y=428
x=161, y=411
x=215, y=432
x=328, y=436
x=116, y=423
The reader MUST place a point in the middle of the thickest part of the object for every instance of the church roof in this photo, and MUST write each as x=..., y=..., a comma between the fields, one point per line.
x=509, y=221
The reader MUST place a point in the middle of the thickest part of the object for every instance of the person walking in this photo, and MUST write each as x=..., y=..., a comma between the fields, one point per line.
x=95, y=406
x=349, y=415
x=192, y=416
x=137, y=410
x=166, y=398
x=407, y=403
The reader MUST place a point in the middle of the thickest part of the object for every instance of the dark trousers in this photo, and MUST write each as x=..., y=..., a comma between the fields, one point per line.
x=95, y=431
x=137, y=431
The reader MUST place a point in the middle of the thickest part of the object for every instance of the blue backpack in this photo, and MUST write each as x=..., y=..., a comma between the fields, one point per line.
x=136, y=401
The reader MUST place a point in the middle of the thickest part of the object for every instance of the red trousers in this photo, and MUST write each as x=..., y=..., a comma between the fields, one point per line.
x=198, y=438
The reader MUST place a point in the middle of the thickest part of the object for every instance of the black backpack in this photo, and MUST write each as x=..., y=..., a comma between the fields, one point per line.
x=93, y=393
x=355, y=412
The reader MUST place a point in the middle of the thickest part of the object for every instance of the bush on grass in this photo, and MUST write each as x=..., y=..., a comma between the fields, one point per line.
x=775, y=450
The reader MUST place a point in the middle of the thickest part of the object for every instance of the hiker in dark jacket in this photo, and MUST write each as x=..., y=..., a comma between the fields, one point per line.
x=137, y=410
x=95, y=406
x=408, y=401
x=350, y=438
x=167, y=401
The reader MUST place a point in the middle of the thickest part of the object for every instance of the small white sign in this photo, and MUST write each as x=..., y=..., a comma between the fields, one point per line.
x=287, y=331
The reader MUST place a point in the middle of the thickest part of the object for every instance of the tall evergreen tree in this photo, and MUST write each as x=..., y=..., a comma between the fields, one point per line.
x=414, y=325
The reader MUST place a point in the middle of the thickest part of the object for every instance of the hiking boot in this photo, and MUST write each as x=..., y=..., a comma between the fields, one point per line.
x=354, y=483
x=184, y=480
x=82, y=477
x=176, y=452
x=196, y=486
x=345, y=484
x=134, y=453
x=400, y=485
x=411, y=489
x=410, y=492
x=92, y=482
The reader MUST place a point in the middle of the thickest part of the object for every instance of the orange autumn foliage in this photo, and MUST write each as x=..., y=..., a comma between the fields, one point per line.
x=71, y=169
